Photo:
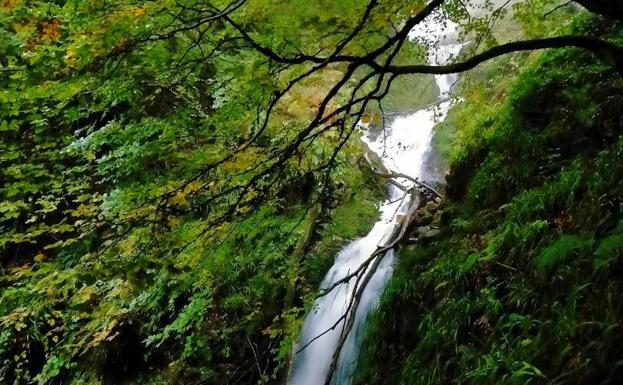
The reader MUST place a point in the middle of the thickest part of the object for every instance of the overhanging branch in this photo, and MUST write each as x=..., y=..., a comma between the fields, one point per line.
x=592, y=44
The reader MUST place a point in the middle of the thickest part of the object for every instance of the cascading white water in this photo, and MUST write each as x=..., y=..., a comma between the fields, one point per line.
x=402, y=148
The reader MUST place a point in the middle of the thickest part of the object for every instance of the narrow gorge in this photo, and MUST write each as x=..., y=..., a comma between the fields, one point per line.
x=330, y=340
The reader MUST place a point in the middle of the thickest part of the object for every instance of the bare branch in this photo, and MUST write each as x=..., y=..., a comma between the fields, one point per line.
x=410, y=178
x=589, y=43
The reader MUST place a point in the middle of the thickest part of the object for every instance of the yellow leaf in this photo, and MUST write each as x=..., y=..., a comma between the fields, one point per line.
x=376, y=118
x=193, y=187
x=50, y=30
x=7, y=5
x=179, y=199
x=173, y=222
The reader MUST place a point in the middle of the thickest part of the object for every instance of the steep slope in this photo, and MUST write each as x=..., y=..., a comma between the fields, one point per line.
x=523, y=284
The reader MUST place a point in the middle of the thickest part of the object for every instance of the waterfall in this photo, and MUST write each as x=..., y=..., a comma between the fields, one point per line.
x=402, y=147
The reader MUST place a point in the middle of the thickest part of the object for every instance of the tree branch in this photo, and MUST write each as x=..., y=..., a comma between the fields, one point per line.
x=589, y=43
x=416, y=181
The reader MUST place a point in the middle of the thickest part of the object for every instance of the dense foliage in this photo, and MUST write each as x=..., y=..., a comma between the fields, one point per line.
x=523, y=284
x=177, y=176
x=121, y=260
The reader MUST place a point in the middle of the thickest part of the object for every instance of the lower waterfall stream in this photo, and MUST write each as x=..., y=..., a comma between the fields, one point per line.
x=402, y=147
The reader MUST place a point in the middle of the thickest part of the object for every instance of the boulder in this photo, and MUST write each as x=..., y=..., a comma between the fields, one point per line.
x=431, y=206
x=423, y=212
x=436, y=219
x=429, y=233
x=423, y=220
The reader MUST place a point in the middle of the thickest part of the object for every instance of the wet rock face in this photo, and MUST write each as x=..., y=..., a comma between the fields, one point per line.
x=425, y=225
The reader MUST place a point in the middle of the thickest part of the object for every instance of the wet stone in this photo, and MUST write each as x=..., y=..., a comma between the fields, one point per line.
x=429, y=233
x=431, y=206
x=423, y=212
x=423, y=220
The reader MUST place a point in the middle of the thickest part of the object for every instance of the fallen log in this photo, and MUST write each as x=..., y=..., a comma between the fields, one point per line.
x=375, y=260
x=416, y=181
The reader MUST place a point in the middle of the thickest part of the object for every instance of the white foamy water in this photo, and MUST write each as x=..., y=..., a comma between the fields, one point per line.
x=402, y=147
